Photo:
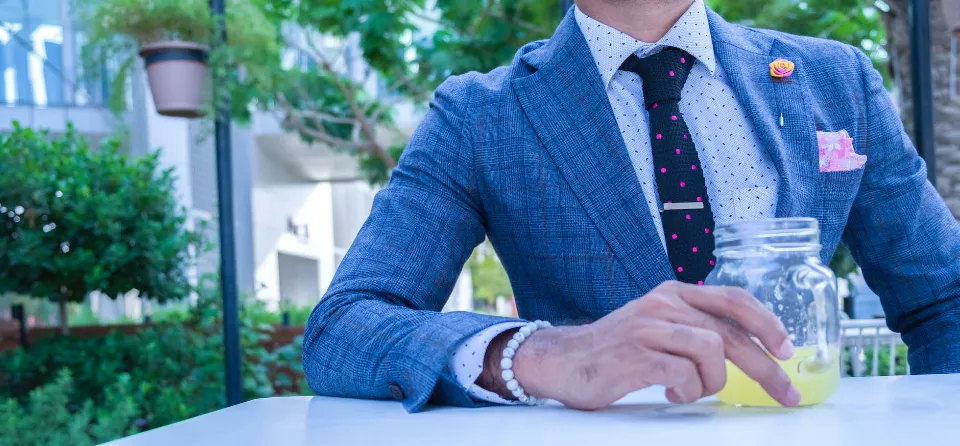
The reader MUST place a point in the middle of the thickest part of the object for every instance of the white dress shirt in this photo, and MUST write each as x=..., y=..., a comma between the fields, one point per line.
x=741, y=179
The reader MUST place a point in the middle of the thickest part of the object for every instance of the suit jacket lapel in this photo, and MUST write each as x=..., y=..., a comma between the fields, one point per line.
x=568, y=107
x=745, y=56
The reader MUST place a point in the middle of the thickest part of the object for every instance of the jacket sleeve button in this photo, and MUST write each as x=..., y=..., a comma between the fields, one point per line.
x=396, y=392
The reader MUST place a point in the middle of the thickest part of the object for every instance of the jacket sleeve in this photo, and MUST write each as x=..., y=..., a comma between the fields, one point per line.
x=905, y=239
x=378, y=332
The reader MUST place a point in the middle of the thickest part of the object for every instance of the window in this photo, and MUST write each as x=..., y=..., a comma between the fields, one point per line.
x=31, y=52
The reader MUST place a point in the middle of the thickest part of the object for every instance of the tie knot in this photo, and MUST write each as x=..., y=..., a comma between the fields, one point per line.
x=663, y=74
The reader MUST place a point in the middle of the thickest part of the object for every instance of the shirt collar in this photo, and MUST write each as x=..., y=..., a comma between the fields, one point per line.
x=611, y=47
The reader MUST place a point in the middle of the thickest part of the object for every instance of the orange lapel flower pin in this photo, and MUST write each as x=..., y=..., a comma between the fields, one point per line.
x=781, y=68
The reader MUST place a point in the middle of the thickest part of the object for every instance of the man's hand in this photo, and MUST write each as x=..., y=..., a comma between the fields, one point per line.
x=678, y=336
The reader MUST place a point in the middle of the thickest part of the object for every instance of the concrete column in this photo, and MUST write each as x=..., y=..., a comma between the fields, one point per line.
x=461, y=298
x=326, y=255
x=70, y=54
x=176, y=138
x=268, y=274
x=172, y=136
x=243, y=146
x=150, y=131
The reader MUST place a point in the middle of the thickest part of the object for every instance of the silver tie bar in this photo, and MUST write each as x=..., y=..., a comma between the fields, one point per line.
x=683, y=206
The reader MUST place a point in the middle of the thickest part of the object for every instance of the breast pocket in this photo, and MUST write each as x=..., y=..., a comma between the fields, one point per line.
x=837, y=192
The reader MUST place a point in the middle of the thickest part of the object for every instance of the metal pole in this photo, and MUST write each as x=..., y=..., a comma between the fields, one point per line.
x=922, y=84
x=228, y=255
x=20, y=314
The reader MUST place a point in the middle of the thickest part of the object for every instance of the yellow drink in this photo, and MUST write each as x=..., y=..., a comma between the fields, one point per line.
x=815, y=384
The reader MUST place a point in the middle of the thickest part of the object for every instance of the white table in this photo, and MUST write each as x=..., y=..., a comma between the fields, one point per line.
x=902, y=411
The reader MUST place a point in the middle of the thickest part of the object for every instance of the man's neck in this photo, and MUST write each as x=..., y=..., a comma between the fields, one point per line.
x=644, y=20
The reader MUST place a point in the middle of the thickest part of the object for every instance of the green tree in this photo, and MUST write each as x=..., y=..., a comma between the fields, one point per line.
x=75, y=220
x=406, y=46
x=855, y=22
x=489, y=279
x=413, y=48
x=410, y=46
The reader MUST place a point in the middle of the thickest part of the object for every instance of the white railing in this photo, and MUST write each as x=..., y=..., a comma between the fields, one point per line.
x=856, y=335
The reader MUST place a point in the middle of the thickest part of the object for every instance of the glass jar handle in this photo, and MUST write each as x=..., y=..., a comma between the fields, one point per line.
x=821, y=284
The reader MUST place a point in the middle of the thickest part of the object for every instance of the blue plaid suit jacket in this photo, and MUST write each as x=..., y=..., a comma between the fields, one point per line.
x=530, y=155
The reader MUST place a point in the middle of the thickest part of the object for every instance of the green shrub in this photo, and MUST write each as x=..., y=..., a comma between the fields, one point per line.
x=49, y=418
x=172, y=371
x=883, y=362
x=259, y=313
x=254, y=309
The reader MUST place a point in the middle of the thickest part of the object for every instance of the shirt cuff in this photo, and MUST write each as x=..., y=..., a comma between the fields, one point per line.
x=467, y=362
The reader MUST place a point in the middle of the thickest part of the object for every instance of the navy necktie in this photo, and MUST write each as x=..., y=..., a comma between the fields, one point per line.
x=685, y=208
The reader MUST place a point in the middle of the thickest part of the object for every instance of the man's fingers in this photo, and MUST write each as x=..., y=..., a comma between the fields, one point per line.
x=739, y=348
x=672, y=372
x=701, y=346
x=673, y=397
x=742, y=308
x=757, y=364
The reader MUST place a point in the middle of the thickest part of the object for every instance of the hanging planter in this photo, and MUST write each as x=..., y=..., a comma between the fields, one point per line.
x=175, y=40
x=178, y=76
x=951, y=13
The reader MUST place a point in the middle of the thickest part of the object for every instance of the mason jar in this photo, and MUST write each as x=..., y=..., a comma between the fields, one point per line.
x=778, y=261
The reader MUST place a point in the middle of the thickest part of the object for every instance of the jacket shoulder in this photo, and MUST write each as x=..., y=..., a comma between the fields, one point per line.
x=474, y=88
x=812, y=48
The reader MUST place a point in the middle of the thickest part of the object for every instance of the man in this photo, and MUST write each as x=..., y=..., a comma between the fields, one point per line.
x=559, y=159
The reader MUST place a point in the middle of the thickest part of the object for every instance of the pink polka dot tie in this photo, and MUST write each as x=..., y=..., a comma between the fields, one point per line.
x=686, y=215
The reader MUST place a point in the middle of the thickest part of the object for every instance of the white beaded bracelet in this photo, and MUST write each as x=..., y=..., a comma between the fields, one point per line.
x=507, y=363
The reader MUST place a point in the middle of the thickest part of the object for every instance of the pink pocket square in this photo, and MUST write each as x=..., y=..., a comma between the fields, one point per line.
x=836, y=152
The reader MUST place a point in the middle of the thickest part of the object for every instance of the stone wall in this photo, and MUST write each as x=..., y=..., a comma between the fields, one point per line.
x=948, y=166
x=946, y=108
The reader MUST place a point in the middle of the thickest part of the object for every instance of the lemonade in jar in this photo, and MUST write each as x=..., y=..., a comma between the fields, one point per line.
x=778, y=261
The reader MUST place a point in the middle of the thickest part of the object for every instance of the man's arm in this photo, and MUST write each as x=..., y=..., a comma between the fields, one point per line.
x=904, y=238
x=378, y=333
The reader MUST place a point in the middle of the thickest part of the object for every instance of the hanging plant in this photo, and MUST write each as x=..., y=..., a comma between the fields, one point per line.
x=174, y=39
